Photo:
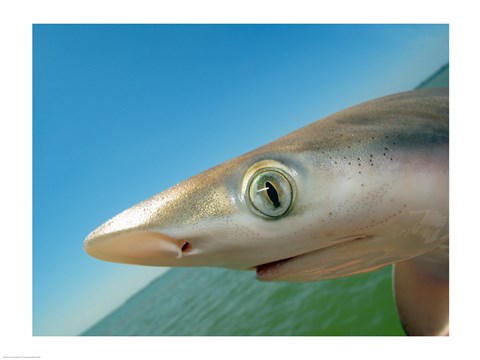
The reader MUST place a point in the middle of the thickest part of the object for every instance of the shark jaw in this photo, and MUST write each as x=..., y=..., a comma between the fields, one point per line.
x=297, y=268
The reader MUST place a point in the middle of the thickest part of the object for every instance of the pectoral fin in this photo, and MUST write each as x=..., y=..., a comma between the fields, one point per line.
x=421, y=290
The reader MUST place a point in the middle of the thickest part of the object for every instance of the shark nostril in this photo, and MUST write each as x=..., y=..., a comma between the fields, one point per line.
x=186, y=247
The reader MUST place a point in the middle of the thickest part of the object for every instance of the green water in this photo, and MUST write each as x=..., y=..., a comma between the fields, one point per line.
x=203, y=301
x=439, y=78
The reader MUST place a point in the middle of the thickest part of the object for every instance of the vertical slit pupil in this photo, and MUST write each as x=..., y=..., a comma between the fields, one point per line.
x=272, y=194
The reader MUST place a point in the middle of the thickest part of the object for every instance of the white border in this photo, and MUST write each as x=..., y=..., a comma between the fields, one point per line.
x=15, y=118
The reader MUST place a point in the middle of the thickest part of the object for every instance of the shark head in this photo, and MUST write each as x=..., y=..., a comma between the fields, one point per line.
x=358, y=190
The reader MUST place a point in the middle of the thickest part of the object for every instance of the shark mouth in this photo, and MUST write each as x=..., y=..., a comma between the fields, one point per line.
x=265, y=271
x=324, y=263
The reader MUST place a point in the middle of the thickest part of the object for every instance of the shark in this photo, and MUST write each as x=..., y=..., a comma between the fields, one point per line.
x=356, y=191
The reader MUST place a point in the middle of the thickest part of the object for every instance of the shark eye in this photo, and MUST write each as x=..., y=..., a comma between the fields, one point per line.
x=270, y=192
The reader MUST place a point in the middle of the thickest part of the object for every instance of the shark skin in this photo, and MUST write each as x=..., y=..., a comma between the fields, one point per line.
x=356, y=191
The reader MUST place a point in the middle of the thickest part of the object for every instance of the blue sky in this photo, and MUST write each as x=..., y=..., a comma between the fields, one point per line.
x=123, y=112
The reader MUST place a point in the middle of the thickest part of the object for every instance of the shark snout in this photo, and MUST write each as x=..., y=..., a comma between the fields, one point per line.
x=135, y=246
x=136, y=237
x=164, y=230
